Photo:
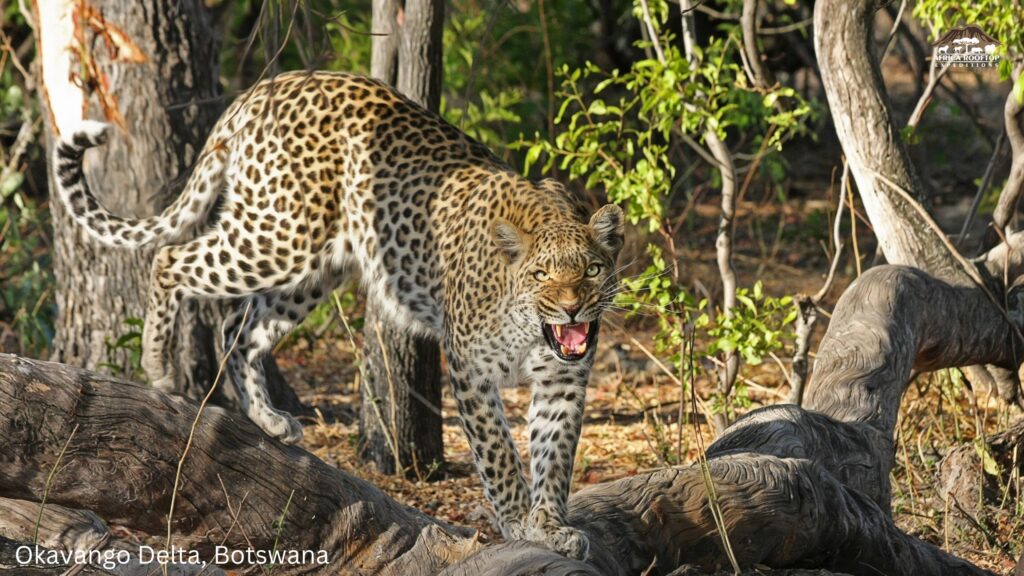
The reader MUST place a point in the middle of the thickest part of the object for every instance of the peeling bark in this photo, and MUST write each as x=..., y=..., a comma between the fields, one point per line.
x=169, y=105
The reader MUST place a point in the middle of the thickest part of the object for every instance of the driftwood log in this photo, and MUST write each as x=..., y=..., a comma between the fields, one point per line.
x=797, y=488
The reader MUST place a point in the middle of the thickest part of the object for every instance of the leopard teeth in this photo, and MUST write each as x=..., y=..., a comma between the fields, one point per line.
x=565, y=350
x=558, y=330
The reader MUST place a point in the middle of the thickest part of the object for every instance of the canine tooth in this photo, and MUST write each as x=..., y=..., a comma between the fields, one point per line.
x=565, y=350
x=558, y=330
x=582, y=348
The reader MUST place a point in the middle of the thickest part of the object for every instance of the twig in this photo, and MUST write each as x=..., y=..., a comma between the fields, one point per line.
x=986, y=179
x=853, y=227
x=705, y=469
x=1013, y=110
x=17, y=150
x=280, y=526
x=394, y=403
x=807, y=306
x=549, y=72
x=723, y=240
x=892, y=33
x=926, y=96
x=785, y=29
x=655, y=42
x=837, y=236
x=392, y=444
x=49, y=481
x=748, y=24
x=675, y=379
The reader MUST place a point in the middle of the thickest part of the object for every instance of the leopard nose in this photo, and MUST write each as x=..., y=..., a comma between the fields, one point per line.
x=571, y=308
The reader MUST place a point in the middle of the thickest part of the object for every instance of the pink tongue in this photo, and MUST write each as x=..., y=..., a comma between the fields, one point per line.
x=573, y=335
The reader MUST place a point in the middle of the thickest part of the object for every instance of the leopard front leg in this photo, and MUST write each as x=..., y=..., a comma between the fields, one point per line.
x=475, y=387
x=555, y=419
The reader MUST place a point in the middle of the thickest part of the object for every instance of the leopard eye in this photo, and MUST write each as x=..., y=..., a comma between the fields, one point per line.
x=541, y=276
x=593, y=270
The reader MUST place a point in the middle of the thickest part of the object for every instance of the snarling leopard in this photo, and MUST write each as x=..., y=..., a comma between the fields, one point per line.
x=312, y=175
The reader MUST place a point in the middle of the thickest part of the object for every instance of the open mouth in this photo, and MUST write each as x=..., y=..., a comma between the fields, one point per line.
x=570, y=341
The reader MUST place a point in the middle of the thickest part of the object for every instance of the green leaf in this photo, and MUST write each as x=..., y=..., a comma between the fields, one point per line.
x=746, y=301
x=11, y=184
x=531, y=156
x=988, y=463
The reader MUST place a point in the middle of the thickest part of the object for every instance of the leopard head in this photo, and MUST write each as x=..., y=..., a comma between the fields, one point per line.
x=563, y=277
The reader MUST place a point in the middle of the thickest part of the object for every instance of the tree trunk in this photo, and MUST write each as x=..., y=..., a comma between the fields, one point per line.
x=1013, y=117
x=401, y=405
x=864, y=124
x=167, y=97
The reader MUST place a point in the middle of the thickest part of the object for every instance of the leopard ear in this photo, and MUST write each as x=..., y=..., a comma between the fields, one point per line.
x=511, y=242
x=607, y=224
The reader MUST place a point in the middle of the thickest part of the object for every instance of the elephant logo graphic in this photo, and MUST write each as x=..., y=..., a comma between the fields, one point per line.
x=971, y=48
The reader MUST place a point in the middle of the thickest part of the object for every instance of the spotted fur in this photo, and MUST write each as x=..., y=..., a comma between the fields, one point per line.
x=315, y=174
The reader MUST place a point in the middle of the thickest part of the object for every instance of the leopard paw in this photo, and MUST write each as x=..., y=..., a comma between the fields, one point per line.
x=280, y=425
x=514, y=530
x=562, y=539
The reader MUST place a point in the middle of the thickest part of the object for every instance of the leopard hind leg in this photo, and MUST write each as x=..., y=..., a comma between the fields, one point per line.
x=203, y=268
x=250, y=334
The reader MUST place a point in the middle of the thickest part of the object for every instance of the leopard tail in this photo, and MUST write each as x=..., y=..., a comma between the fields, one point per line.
x=191, y=206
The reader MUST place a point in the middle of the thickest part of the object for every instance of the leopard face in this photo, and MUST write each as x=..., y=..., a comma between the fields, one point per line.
x=563, y=276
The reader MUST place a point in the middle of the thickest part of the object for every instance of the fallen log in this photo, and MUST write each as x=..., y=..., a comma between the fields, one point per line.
x=55, y=527
x=795, y=488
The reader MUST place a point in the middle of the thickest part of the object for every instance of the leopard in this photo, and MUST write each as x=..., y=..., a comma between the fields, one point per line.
x=309, y=178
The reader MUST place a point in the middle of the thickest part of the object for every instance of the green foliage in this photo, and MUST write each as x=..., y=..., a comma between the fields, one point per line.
x=129, y=343
x=480, y=97
x=620, y=134
x=322, y=320
x=351, y=42
x=755, y=328
x=26, y=276
x=653, y=291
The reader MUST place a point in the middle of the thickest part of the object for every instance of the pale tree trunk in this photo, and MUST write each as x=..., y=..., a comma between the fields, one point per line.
x=401, y=406
x=723, y=239
x=1014, y=120
x=168, y=103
